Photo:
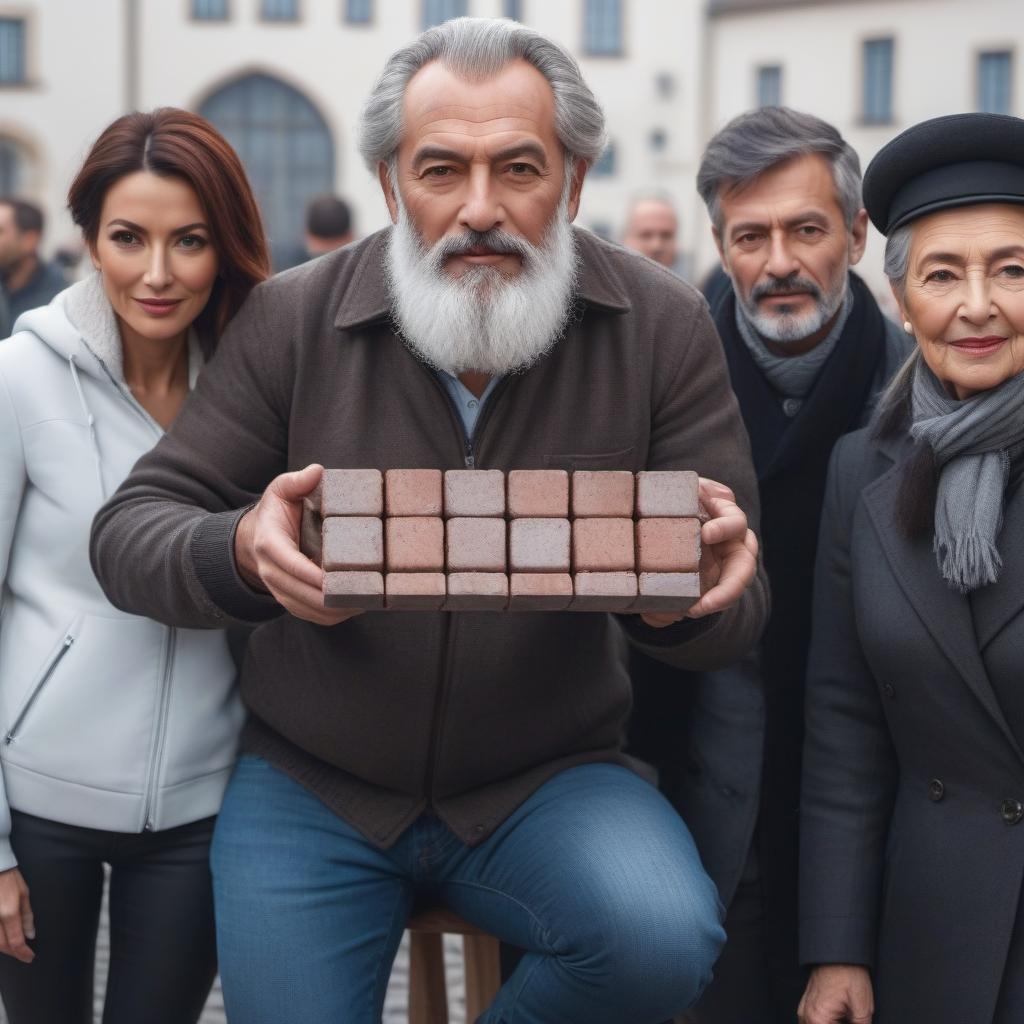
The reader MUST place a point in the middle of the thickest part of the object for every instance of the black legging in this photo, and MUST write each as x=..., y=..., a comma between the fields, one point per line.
x=163, y=955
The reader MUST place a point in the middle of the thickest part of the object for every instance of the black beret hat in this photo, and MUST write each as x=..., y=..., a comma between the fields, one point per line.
x=956, y=160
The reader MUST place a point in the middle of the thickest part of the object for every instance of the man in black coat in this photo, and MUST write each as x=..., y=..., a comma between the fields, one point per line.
x=808, y=352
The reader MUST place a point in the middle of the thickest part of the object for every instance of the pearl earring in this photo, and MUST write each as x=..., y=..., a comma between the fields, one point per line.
x=908, y=327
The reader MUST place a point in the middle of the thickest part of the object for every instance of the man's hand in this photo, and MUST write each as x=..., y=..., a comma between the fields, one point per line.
x=728, y=557
x=16, y=923
x=267, y=550
x=837, y=993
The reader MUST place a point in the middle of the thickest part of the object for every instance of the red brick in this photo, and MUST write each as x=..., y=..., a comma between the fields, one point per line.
x=608, y=493
x=353, y=590
x=353, y=543
x=414, y=544
x=603, y=591
x=539, y=591
x=603, y=545
x=474, y=492
x=667, y=591
x=666, y=494
x=539, y=545
x=475, y=545
x=414, y=591
x=668, y=545
x=413, y=492
x=477, y=592
x=533, y=493
x=352, y=492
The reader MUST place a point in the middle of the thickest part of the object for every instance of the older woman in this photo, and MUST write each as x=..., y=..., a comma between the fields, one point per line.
x=912, y=825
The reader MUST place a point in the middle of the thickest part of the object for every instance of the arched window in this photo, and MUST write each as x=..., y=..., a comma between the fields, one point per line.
x=12, y=168
x=287, y=150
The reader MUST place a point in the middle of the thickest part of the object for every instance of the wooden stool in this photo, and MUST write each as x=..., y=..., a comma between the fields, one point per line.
x=428, y=998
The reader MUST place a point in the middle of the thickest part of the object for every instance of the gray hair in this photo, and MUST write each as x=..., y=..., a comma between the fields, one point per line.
x=477, y=49
x=761, y=139
x=897, y=257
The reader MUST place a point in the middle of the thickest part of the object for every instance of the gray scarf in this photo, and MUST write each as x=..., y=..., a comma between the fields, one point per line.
x=974, y=443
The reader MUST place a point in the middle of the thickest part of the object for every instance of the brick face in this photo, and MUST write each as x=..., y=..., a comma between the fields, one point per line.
x=667, y=591
x=668, y=545
x=475, y=545
x=353, y=543
x=539, y=591
x=603, y=545
x=606, y=494
x=352, y=492
x=413, y=492
x=604, y=591
x=477, y=592
x=474, y=492
x=661, y=494
x=533, y=493
x=414, y=544
x=414, y=591
x=353, y=590
x=539, y=545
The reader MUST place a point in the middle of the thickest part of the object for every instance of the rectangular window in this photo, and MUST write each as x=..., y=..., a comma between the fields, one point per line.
x=995, y=78
x=512, y=9
x=602, y=28
x=279, y=10
x=877, y=98
x=769, y=86
x=436, y=12
x=604, y=166
x=210, y=10
x=359, y=12
x=12, y=50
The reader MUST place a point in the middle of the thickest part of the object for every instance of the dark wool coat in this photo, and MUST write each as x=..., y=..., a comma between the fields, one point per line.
x=912, y=818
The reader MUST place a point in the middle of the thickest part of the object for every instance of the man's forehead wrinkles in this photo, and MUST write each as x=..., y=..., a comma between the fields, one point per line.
x=452, y=126
x=463, y=112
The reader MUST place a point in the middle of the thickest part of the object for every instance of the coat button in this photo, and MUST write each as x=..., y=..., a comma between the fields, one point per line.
x=936, y=790
x=1011, y=811
x=889, y=690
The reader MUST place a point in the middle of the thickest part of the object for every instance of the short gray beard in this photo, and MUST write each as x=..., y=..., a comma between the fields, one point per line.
x=482, y=321
x=783, y=327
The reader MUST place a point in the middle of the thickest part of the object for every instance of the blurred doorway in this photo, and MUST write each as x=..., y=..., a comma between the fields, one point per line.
x=287, y=149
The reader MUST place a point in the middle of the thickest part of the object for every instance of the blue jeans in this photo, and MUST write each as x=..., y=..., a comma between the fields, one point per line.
x=595, y=876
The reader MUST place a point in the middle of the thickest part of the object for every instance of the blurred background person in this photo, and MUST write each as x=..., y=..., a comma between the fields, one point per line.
x=328, y=225
x=808, y=352
x=652, y=227
x=28, y=281
x=912, y=843
x=119, y=732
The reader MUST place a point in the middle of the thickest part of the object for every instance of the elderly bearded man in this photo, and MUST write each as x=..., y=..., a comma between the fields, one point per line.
x=473, y=759
x=808, y=353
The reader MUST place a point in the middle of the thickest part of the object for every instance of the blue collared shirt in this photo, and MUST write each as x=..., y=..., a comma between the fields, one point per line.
x=466, y=402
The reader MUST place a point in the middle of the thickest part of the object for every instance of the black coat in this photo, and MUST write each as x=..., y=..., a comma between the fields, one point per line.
x=727, y=743
x=912, y=824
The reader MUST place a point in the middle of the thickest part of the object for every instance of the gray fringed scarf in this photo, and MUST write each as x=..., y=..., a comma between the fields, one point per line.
x=974, y=442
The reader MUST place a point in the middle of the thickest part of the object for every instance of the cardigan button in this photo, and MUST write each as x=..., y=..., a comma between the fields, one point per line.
x=1011, y=811
x=889, y=690
x=936, y=790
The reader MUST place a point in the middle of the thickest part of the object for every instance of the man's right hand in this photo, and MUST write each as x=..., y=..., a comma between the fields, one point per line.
x=267, y=550
x=16, y=923
x=838, y=994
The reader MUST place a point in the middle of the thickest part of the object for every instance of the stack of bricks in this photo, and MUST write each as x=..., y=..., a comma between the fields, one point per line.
x=417, y=539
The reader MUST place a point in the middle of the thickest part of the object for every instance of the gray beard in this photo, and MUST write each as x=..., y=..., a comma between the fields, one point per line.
x=782, y=327
x=483, y=321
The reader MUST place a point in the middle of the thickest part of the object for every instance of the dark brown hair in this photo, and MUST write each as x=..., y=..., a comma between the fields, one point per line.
x=179, y=144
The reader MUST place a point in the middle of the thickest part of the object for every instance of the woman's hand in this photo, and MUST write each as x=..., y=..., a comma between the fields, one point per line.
x=837, y=994
x=16, y=923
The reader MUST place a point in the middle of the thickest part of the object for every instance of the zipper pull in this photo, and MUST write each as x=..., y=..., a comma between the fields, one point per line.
x=469, y=459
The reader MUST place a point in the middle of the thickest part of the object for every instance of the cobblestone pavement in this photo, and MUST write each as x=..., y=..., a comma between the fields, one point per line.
x=395, y=1002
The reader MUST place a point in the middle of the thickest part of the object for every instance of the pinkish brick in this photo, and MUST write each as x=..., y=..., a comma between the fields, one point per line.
x=539, y=545
x=668, y=545
x=602, y=493
x=666, y=494
x=414, y=591
x=352, y=543
x=603, y=545
x=533, y=493
x=414, y=544
x=477, y=592
x=311, y=528
x=475, y=545
x=474, y=492
x=667, y=591
x=413, y=492
x=603, y=591
x=353, y=590
x=352, y=492
x=539, y=591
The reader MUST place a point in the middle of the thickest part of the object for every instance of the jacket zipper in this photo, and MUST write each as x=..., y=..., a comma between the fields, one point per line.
x=161, y=730
x=65, y=646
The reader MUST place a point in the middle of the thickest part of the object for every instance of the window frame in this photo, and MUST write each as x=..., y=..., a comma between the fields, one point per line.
x=25, y=20
x=585, y=48
x=261, y=14
x=424, y=5
x=346, y=13
x=992, y=51
x=864, y=117
x=198, y=20
x=759, y=73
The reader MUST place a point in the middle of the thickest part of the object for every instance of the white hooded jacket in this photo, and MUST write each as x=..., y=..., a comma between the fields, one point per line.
x=107, y=720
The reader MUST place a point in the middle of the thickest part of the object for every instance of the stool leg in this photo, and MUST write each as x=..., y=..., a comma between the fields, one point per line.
x=481, y=956
x=428, y=997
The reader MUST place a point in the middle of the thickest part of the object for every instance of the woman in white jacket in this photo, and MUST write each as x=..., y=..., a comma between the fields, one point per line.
x=118, y=733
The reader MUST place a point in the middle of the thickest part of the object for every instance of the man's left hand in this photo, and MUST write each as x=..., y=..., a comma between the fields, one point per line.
x=728, y=557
